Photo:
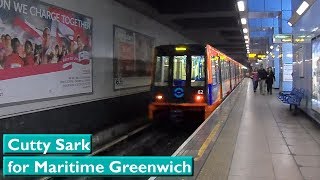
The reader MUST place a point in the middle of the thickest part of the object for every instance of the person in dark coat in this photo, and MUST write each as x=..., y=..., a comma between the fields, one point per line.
x=262, y=73
x=270, y=79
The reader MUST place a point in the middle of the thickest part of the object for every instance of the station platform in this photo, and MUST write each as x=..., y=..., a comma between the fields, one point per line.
x=254, y=137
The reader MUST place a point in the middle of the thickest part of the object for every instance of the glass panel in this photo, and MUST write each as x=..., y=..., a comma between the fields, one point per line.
x=225, y=70
x=162, y=70
x=179, y=70
x=197, y=71
x=316, y=75
x=213, y=67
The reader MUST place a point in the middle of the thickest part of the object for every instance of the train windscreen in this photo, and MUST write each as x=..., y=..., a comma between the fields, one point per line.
x=179, y=70
x=197, y=71
x=162, y=71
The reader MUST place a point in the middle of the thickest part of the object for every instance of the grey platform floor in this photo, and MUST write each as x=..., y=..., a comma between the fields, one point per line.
x=254, y=137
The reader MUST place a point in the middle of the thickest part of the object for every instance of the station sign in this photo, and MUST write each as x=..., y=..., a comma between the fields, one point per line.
x=301, y=39
x=259, y=56
x=252, y=55
x=262, y=56
x=282, y=38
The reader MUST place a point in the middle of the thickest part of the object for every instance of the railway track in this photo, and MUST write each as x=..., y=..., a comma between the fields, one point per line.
x=147, y=140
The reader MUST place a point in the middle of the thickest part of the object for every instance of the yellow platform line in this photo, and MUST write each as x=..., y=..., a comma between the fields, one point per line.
x=206, y=143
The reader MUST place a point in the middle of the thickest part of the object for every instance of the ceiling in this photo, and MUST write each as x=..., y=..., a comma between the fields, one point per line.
x=215, y=22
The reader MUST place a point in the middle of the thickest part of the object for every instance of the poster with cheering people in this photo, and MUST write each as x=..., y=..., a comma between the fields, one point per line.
x=45, y=51
x=133, y=53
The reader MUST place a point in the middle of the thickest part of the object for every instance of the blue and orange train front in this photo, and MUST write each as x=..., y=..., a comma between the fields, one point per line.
x=180, y=82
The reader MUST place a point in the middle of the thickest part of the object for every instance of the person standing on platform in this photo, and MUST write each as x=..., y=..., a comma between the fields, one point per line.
x=255, y=79
x=262, y=73
x=270, y=79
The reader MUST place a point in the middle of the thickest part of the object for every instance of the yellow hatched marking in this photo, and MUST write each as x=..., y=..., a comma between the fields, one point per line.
x=206, y=143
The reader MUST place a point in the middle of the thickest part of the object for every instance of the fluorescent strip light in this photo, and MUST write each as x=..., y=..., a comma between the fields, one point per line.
x=243, y=21
x=245, y=30
x=246, y=37
x=302, y=8
x=240, y=5
x=315, y=29
x=289, y=23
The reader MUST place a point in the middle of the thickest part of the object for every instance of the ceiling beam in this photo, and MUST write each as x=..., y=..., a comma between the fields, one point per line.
x=231, y=47
x=201, y=15
x=213, y=29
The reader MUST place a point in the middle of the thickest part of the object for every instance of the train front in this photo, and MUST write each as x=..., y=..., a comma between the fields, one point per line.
x=179, y=83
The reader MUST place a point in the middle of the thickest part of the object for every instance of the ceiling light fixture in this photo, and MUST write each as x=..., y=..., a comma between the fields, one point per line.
x=243, y=21
x=246, y=37
x=290, y=24
x=271, y=47
x=241, y=6
x=246, y=41
x=303, y=7
x=315, y=29
x=245, y=30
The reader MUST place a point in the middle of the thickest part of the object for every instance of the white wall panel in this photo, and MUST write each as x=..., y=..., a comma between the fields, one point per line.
x=105, y=14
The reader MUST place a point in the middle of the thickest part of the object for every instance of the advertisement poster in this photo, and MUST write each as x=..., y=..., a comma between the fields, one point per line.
x=316, y=75
x=45, y=51
x=287, y=72
x=133, y=53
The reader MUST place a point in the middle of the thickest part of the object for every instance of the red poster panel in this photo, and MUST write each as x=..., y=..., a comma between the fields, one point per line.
x=45, y=51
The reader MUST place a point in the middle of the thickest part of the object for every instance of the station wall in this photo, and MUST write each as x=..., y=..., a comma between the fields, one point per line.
x=302, y=58
x=105, y=15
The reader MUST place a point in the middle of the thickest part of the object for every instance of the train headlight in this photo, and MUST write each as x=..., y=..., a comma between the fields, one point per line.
x=199, y=98
x=159, y=97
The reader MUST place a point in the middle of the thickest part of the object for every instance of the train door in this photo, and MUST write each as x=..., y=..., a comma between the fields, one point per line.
x=178, y=75
x=220, y=74
x=234, y=70
x=230, y=74
x=215, y=80
x=225, y=75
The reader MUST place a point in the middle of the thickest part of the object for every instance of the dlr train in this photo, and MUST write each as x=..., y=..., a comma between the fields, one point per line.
x=191, y=81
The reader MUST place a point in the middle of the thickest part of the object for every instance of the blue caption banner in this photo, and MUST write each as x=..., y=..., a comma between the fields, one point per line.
x=46, y=143
x=97, y=166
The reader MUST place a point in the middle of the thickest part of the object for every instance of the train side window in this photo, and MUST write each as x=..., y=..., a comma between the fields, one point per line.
x=179, y=70
x=162, y=71
x=224, y=72
x=197, y=71
x=214, y=71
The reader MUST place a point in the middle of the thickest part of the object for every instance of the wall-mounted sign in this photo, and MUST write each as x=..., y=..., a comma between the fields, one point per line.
x=252, y=55
x=262, y=56
x=287, y=72
x=301, y=39
x=282, y=38
x=133, y=53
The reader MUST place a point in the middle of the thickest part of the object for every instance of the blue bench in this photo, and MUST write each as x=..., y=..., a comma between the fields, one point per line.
x=292, y=98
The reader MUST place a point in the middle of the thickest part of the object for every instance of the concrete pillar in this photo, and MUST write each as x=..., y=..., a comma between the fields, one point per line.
x=287, y=52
